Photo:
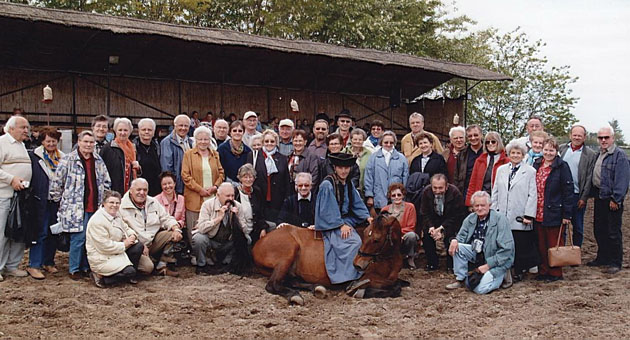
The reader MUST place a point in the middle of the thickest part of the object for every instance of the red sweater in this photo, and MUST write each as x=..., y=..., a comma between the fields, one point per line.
x=408, y=220
x=479, y=171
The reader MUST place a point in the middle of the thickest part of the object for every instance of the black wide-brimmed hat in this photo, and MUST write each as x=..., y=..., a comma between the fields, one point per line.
x=342, y=159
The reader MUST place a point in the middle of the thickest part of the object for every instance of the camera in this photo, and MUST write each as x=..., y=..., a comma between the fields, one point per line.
x=26, y=184
x=477, y=246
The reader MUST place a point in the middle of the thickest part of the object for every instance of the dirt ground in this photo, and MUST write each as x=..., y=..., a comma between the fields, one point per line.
x=586, y=304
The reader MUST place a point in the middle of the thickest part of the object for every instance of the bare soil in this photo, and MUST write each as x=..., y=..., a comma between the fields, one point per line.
x=586, y=304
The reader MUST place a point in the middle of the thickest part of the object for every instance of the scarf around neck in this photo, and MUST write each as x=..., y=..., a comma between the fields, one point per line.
x=236, y=151
x=52, y=162
x=269, y=163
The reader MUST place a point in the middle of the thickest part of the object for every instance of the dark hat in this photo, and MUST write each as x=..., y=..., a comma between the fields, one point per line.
x=321, y=116
x=344, y=113
x=342, y=159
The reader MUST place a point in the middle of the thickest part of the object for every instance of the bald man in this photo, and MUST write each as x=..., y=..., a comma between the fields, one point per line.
x=213, y=230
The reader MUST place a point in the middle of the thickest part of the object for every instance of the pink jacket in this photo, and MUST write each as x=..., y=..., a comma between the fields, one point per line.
x=180, y=208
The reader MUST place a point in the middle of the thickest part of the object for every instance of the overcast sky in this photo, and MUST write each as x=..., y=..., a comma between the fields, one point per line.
x=593, y=37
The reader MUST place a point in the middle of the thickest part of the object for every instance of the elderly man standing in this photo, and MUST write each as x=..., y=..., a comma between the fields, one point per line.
x=15, y=173
x=173, y=147
x=610, y=185
x=581, y=160
x=285, y=130
x=220, y=130
x=474, y=135
x=407, y=143
x=78, y=184
x=534, y=123
x=156, y=228
x=485, y=241
x=250, y=121
x=318, y=145
x=442, y=207
x=213, y=229
x=148, y=155
x=456, y=154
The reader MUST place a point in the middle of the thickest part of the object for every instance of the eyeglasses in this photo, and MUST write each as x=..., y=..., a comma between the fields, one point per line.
x=491, y=142
x=603, y=137
x=321, y=129
x=347, y=121
x=397, y=195
x=388, y=142
x=303, y=185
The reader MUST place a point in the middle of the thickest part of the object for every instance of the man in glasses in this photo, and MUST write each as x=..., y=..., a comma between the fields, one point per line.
x=534, y=123
x=466, y=159
x=344, y=121
x=299, y=209
x=442, y=207
x=581, y=160
x=611, y=177
x=318, y=145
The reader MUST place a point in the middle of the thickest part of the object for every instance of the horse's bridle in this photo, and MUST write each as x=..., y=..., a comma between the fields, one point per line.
x=379, y=255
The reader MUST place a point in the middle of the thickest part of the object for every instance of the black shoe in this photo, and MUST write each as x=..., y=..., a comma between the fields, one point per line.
x=542, y=277
x=595, y=263
x=518, y=277
x=551, y=278
x=612, y=270
x=430, y=268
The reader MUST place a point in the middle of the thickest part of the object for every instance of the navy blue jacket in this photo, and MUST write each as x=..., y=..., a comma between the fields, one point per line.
x=560, y=200
x=615, y=176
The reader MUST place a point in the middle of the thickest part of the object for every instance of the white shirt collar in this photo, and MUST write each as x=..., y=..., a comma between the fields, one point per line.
x=307, y=197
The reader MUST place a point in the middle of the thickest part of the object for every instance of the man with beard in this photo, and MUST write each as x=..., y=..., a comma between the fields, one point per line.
x=442, y=207
x=318, y=145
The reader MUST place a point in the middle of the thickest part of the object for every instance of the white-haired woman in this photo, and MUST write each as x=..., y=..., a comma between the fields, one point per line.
x=514, y=195
x=252, y=202
x=272, y=174
x=385, y=167
x=148, y=155
x=202, y=174
x=119, y=156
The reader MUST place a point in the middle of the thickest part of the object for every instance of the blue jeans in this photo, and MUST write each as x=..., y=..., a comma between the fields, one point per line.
x=463, y=255
x=43, y=252
x=578, y=226
x=77, y=256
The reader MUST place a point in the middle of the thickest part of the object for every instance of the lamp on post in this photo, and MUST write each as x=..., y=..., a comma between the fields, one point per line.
x=113, y=60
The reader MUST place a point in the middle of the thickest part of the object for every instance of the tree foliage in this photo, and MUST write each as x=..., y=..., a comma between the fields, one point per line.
x=419, y=27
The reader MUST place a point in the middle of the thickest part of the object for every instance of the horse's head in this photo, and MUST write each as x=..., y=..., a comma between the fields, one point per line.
x=380, y=240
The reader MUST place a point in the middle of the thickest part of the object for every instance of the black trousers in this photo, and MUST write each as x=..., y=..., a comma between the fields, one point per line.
x=430, y=250
x=607, y=230
x=133, y=253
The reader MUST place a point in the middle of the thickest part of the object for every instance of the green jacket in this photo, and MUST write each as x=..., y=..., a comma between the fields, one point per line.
x=498, y=247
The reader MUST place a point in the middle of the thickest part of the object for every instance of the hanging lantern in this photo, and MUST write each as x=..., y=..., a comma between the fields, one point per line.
x=294, y=106
x=456, y=119
x=48, y=96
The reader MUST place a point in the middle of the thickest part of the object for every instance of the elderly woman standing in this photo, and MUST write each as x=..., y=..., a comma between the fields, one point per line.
x=251, y=200
x=385, y=167
x=514, y=195
x=44, y=162
x=119, y=156
x=202, y=174
x=554, y=209
x=272, y=174
x=148, y=154
x=233, y=152
x=536, y=139
x=113, y=249
x=486, y=165
x=428, y=161
x=300, y=160
x=360, y=152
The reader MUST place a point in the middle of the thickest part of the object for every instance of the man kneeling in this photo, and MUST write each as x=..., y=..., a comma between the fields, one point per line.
x=213, y=229
x=484, y=242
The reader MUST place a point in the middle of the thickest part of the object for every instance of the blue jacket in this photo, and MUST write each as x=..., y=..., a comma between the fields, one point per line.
x=498, y=247
x=560, y=198
x=615, y=176
x=171, y=158
x=378, y=176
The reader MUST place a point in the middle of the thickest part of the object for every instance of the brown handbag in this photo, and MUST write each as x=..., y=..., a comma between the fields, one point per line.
x=561, y=256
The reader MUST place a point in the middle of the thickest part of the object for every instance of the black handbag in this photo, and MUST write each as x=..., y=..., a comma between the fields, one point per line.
x=62, y=242
x=17, y=220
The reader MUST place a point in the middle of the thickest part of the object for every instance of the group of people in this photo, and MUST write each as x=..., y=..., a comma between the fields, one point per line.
x=130, y=206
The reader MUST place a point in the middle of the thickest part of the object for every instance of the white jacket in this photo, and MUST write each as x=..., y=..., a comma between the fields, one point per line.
x=520, y=200
x=104, y=243
x=157, y=218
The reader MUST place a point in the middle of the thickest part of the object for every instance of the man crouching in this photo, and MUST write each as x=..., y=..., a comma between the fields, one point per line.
x=485, y=242
x=156, y=228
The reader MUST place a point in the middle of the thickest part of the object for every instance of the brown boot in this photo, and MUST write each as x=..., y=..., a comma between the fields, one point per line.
x=35, y=273
x=167, y=272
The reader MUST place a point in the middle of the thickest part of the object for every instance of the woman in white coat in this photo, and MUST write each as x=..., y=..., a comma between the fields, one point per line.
x=514, y=195
x=113, y=249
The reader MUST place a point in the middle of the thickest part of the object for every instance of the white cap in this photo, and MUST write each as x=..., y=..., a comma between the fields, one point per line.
x=286, y=122
x=250, y=114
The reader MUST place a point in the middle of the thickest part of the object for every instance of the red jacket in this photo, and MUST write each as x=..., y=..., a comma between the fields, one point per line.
x=408, y=220
x=479, y=171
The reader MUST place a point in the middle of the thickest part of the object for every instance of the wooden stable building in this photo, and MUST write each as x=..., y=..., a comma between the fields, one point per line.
x=99, y=64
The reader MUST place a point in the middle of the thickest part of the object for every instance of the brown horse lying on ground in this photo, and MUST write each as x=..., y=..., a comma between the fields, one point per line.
x=291, y=253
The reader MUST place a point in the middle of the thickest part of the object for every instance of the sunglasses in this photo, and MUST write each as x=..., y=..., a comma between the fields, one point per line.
x=603, y=137
x=397, y=195
x=491, y=142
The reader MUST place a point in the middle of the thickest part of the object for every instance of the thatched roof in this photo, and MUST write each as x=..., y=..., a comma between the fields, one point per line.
x=70, y=29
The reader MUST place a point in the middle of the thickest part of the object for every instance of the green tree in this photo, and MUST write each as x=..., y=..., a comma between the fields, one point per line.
x=619, y=139
x=537, y=89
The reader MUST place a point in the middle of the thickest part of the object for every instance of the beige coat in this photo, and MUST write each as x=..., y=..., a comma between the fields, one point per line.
x=104, y=243
x=157, y=218
x=209, y=221
x=192, y=175
x=410, y=151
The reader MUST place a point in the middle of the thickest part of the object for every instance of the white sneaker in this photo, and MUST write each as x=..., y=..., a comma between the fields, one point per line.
x=533, y=270
x=193, y=260
x=1, y=278
x=16, y=272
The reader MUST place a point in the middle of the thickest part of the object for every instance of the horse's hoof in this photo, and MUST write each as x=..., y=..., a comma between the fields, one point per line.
x=296, y=300
x=320, y=292
x=359, y=294
x=356, y=285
